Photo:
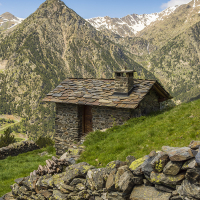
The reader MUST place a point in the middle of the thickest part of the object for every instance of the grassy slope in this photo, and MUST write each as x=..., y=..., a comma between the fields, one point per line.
x=139, y=136
x=19, y=166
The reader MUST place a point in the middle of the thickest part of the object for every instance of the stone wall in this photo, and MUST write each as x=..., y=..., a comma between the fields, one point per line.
x=69, y=118
x=17, y=148
x=67, y=126
x=170, y=174
x=147, y=105
x=106, y=117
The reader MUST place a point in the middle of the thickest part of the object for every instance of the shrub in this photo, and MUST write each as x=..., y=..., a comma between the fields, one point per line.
x=44, y=141
x=6, y=138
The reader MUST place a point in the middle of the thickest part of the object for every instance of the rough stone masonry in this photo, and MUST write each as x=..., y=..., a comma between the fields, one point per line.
x=170, y=174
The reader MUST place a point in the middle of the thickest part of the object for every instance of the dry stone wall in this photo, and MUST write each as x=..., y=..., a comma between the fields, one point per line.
x=170, y=174
x=17, y=148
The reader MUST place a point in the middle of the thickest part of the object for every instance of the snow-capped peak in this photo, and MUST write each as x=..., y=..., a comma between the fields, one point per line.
x=8, y=21
x=130, y=24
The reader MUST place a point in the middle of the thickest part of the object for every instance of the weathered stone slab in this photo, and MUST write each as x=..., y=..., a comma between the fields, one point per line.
x=147, y=192
x=172, y=168
x=178, y=154
x=168, y=180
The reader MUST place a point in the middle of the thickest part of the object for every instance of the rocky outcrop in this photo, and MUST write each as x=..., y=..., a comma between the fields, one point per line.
x=17, y=148
x=155, y=176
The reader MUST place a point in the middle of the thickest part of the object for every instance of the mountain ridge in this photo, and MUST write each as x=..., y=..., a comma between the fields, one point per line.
x=129, y=25
x=51, y=44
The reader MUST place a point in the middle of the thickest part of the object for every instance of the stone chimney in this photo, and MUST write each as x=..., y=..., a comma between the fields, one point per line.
x=124, y=81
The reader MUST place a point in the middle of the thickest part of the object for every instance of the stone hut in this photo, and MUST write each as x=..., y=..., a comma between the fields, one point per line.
x=85, y=105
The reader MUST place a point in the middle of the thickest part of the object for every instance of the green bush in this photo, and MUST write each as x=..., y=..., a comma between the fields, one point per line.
x=6, y=138
x=44, y=141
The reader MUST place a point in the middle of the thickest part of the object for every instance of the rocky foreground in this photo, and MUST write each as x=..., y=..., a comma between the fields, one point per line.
x=170, y=174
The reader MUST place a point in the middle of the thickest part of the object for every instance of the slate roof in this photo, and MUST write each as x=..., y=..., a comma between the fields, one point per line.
x=99, y=92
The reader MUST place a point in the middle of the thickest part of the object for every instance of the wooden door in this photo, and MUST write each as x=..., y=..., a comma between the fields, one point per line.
x=87, y=121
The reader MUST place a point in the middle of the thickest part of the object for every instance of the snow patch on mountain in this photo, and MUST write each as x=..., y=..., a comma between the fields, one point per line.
x=130, y=24
x=8, y=21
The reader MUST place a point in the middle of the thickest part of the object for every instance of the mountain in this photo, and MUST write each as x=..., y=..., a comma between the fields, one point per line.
x=129, y=25
x=8, y=21
x=51, y=44
x=169, y=48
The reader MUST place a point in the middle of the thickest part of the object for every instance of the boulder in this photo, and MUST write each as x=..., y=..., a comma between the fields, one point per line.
x=148, y=192
x=168, y=180
x=178, y=154
x=172, y=168
x=159, y=161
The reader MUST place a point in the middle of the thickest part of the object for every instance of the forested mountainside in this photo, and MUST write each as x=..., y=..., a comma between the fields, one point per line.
x=169, y=48
x=51, y=44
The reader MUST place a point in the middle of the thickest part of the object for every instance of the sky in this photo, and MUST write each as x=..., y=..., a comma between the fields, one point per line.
x=92, y=8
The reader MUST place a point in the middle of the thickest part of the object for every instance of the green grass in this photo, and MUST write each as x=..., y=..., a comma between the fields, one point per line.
x=19, y=166
x=139, y=136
